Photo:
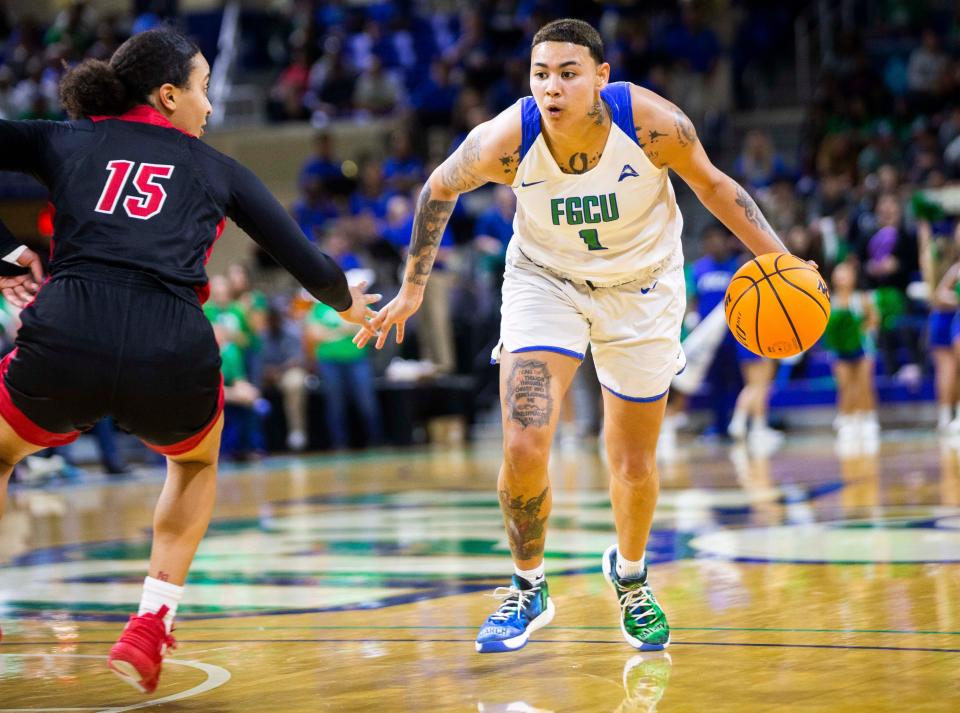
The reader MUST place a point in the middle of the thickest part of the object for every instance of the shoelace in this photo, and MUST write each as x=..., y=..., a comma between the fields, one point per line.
x=141, y=631
x=514, y=601
x=638, y=598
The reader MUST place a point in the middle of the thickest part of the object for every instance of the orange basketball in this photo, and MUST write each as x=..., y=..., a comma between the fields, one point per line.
x=777, y=305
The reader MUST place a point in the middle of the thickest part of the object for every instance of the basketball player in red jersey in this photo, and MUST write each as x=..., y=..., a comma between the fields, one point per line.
x=118, y=329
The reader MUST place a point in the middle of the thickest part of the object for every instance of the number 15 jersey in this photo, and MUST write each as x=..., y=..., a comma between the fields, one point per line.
x=135, y=193
x=607, y=225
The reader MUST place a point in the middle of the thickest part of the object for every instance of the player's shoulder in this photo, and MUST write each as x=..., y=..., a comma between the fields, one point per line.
x=651, y=107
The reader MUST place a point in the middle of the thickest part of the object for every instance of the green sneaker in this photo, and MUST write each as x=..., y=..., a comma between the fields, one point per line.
x=642, y=621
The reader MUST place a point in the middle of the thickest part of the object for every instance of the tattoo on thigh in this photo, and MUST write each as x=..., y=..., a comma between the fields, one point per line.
x=525, y=525
x=529, y=401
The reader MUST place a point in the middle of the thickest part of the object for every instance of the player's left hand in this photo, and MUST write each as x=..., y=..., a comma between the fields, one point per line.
x=20, y=290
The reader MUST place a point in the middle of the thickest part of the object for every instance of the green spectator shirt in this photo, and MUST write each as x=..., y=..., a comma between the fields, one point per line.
x=233, y=317
x=232, y=366
x=339, y=350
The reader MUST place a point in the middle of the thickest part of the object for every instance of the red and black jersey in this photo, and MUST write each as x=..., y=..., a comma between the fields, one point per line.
x=134, y=192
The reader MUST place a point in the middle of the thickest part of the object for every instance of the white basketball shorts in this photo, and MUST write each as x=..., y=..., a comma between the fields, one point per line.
x=633, y=330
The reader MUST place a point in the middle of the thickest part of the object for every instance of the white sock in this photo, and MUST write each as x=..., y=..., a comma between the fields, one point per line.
x=868, y=417
x=944, y=416
x=156, y=593
x=630, y=569
x=738, y=420
x=758, y=423
x=533, y=576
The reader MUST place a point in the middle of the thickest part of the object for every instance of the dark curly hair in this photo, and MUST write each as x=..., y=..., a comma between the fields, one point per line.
x=140, y=65
x=577, y=32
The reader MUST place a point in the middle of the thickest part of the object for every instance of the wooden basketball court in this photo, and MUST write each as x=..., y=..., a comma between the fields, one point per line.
x=794, y=582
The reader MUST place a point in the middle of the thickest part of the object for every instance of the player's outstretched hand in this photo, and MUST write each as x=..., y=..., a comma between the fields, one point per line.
x=20, y=290
x=396, y=313
x=360, y=312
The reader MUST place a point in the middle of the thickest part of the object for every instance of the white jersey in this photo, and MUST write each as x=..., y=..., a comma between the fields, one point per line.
x=608, y=226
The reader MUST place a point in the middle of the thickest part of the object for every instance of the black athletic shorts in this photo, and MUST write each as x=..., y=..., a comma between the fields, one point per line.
x=112, y=342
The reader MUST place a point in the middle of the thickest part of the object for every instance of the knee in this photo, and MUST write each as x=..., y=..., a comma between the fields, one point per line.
x=633, y=467
x=525, y=452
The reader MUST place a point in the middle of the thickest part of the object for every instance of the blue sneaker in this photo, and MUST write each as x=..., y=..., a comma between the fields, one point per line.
x=642, y=621
x=524, y=610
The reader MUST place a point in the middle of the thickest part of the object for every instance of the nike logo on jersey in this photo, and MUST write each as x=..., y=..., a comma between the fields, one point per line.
x=645, y=290
x=627, y=172
x=534, y=183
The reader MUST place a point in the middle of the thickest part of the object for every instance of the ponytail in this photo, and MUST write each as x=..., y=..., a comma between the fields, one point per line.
x=92, y=88
x=140, y=65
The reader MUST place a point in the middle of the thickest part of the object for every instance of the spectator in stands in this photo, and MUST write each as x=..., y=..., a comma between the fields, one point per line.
x=287, y=93
x=377, y=92
x=240, y=425
x=758, y=164
x=284, y=374
x=222, y=311
x=707, y=282
x=253, y=304
x=108, y=39
x=333, y=95
x=371, y=195
x=852, y=319
x=321, y=165
x=781, y=204
x=926, y=70
x=314, y=209
x=938, y=251
x=347, y=378
x=435, y=97
x=74, y=27
x=889, y=258
x=402, y=169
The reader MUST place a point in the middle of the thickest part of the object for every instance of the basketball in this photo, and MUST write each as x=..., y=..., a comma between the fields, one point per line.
x=777, y=305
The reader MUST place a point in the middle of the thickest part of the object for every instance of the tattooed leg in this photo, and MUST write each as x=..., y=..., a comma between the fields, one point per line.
x=532, y=386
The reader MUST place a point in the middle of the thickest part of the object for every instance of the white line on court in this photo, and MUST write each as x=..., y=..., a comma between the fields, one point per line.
x=216, y=677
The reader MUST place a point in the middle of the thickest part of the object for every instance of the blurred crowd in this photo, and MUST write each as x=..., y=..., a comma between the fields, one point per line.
x=863, y=188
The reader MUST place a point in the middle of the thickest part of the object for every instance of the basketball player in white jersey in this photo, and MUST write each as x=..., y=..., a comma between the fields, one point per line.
x=595, y=259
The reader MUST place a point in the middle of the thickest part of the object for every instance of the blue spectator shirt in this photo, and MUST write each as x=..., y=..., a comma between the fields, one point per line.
x=710, y=280
x=491, y=222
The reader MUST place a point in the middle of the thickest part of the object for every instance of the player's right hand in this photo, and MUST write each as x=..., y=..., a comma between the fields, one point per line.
x=360, y=312
x=396, y=313
x=20, y=290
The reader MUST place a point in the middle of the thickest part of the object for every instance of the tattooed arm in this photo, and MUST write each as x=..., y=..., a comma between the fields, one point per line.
x=490, y=153
x=670, y=141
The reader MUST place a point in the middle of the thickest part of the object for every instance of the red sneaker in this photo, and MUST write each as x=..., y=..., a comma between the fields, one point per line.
x=138, y=655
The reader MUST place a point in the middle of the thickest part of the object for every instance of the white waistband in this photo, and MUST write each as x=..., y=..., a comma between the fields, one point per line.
x=645, y=275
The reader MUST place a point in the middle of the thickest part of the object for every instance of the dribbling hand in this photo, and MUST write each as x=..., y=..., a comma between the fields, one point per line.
x=360, y=312
x=20, y=290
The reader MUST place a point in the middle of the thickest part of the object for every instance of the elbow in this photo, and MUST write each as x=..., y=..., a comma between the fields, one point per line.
x=438, y=188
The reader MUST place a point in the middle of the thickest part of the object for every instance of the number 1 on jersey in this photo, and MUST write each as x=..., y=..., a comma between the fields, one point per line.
x=590, y=237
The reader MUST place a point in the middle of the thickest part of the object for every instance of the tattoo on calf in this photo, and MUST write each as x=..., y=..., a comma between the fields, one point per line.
x=529, y=401
x=525, y=525
x=752, y=212
x=428, y=225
